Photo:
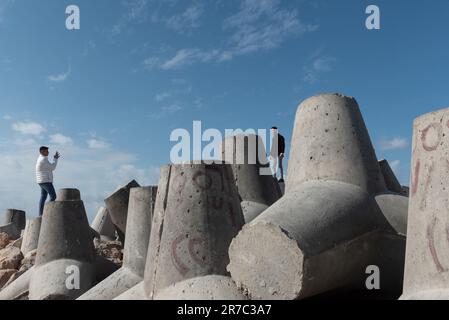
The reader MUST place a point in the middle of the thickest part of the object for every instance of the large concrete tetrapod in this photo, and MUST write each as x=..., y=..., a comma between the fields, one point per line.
x=427, y=258
x=255, y=183
x=197, y=214
x=65, y=253
x=328, y=227
x=138, y=227
x=117, y=205
x=31, y=235
x=14, y=223
x=103, y=225
x=390, y=178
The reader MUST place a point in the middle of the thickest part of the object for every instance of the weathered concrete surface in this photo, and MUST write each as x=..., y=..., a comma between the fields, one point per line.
x=255, y=184
x=329, y=226
x=65, y=245
x=140, y=214
x=14, y=223
x=31, y=235
x=197, y=214
x=427, y=257
x=390, y=178
x=117, y=205
x=103, y=225
x=135, y=293
x=202, y=288
x=17, y=288
x=103, y=268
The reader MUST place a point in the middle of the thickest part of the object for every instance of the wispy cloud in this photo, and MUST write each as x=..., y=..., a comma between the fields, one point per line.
x=97, y=144
x=28, y=128
x=61, y=139
x=60, y=77
x=394, y=144
x=167, y=110
x=136, y=11
x=188, y=20
x=318, y=66
x=259, y=25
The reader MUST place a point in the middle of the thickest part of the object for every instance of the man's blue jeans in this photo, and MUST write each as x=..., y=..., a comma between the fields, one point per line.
x=46, y=189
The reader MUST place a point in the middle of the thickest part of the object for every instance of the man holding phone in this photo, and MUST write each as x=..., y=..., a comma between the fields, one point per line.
x=44, y=176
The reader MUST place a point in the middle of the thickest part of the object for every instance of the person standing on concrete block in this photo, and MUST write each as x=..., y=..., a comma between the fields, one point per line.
x=277, y=152
x=44, y=176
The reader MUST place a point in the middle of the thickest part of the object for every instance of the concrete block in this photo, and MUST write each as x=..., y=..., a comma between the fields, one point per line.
x=103, y=225
x=65, y=249
x=31, y=235
x=117, y=205
x=329, y=226
x=135, y=293
x=140, y=214
x=14, y=223
x=203, y=288
x=390, y=178
x=197, y=214
x=252, y=175
x=427, y=255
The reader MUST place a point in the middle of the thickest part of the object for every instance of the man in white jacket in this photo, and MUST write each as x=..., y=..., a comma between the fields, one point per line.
x=44, y=177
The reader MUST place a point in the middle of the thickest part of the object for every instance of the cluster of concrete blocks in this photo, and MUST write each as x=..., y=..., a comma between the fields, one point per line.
x=225, y=231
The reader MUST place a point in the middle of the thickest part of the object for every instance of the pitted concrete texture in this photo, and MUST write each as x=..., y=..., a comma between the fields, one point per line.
x=202, y=288
x=255, y=183
x=117, y=205
x=336, y=218
x=197, y=214
x=390, y=178
x=14, y=223
x=68, y=195
x=31, y=235
x=140, y=213
x=103, y=225
x=135, y=293
x=427, y=258
x=65, y=252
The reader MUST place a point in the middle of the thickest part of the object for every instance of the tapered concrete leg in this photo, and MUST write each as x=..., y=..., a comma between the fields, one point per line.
x=427, y=257
x=390, y=178
x=31, y=235
x=202, y=288
x=117, y=205
x=140, y=213
x=65, y=253
x=18, y=288
x=329, y=226
x=197, y=214
x=14, y=223
x=103, y=225
x=135, y=293
x=255, y=184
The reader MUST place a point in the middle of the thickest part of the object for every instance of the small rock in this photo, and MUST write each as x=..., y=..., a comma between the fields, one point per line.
x=111, y=250
x=10, y=258
x=5, y=275
x=4, y=240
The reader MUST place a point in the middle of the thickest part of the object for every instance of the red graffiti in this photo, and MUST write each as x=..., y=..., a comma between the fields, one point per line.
x=431, y=244
x=425, y=132
x=182, y=268
x=415, y=177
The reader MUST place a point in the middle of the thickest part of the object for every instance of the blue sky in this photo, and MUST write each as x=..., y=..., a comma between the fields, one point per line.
x=107, y=96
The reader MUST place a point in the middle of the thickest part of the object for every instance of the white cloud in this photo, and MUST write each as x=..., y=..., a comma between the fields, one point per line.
x=167, y=111
x=394, y=144
x=317, y=68
x=60, y=77
x=97, y=144
x=7, y=117
x=187, y=20
x=28, y=128
x=135, y=12
x=61, y=139
x=162, y=96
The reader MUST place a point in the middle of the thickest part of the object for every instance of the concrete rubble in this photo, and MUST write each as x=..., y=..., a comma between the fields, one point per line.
x=229, y=231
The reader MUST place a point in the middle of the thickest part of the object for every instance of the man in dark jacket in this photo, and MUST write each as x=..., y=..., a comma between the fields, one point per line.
x=277, y=152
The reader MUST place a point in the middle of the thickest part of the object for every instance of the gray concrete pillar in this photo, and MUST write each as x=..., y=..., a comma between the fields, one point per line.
x=138, y=228
x=328, y=227
x=31, y=235
x=14, y=223
x=117, y=205
x=256, y=186
x=390, y=178
x=427, y=257
x=197, y=214
x=103, y=225
x=65, y=254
